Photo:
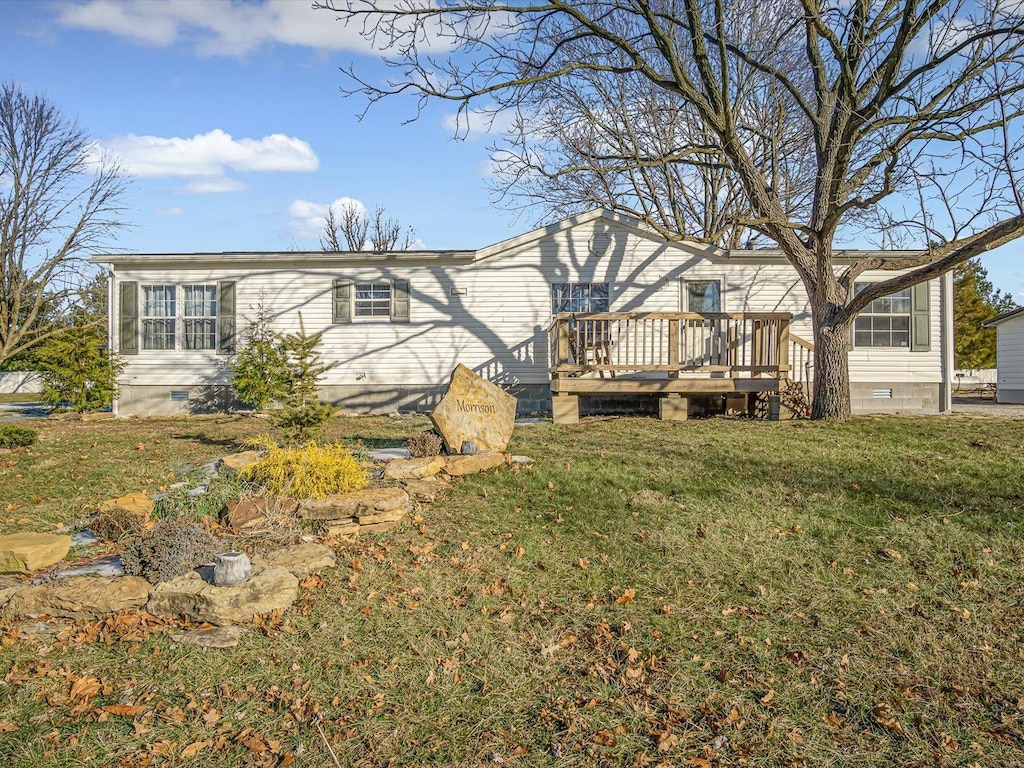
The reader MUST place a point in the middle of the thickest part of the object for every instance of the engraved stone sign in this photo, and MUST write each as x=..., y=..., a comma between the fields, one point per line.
x=474, y=409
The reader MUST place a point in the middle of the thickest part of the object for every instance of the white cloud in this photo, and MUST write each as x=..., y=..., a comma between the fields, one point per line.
x=215, y=27
x=307, y=218
x=176, y=210
x=215, y=184
x=474, y=124
x=209, y=154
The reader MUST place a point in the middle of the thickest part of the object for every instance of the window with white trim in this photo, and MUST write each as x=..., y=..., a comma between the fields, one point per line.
x=579, y=297
x=200, y=316
x=373, y=299
x=885, y=322
x=159, y=314
x=702, y=296
x=163, y=326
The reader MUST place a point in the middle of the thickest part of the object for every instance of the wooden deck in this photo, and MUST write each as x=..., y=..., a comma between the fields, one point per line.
x=674, y=354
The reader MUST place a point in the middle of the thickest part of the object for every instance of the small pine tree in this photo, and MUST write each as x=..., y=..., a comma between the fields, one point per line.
x=259, y=368
x=77, y=368
x=303, y=413
x=975, y=302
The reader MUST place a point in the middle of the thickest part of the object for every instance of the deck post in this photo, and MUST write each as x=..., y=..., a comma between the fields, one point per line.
x=565, y=409
x=673, y=408
x=673, y=347
x=562, y=332
x=783, y=372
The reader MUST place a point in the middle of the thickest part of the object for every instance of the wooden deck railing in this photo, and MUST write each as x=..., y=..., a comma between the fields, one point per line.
x=737, y=345
x=801, y=362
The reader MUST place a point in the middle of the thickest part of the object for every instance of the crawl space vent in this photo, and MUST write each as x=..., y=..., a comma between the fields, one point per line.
x=885, y=394
x=179, y=396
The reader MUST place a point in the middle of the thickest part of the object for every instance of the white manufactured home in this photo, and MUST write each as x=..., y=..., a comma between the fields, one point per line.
x=1009, y=355
x=594, y=305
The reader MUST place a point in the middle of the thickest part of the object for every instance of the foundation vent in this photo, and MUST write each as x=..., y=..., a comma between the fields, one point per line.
x=179, y=395
x=883, y=394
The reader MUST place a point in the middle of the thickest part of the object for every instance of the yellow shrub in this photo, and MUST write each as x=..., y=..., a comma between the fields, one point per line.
x=311, y=472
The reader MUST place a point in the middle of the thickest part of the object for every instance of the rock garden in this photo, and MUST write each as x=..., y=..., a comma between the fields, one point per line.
x=233, y=538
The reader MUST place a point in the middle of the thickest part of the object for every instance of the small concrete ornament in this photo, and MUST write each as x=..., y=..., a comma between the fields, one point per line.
x=232, y=568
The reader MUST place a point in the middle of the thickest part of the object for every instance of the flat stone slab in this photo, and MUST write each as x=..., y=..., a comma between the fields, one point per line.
x=27, y=552
x=108, y=567
x=80, y=597
x=414, y=469
x=474, y=409
x=271, y=588
x=214, y=637
x=426, y=489
x=138, y=503
x=470, y=465
x=301, y=560
x=236, y=462
x=356, y=503
x=389, y=454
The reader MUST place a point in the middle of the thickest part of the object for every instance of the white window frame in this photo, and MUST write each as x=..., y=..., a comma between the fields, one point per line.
x=880, y=312
x=190, y=320
x=374, y=302
x=569, y=287
x=179, y=319
x=165, y=319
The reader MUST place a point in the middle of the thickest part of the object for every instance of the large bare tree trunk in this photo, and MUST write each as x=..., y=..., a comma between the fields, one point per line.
x=831, y=363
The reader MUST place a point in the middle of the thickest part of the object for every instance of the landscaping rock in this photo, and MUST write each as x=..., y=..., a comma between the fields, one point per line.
x=521, y=460
x=379, y=527
x=80, y=597
x=214, y=637
x=414, y=469
x=474, y=409
x=426, y=489
x=238, y=461
x=269, y=589
x=470, y=465
x=137, y=503
x=243, y=513
x=340, y=528
x=392, y=516
x=232, y=569
x=356, y=503
x=301, y=560
x=27, y=552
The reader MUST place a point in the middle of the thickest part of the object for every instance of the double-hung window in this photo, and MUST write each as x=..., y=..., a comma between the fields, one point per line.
x=579, y=297
x=159, y=314
x=885, y=322
x=200, y=316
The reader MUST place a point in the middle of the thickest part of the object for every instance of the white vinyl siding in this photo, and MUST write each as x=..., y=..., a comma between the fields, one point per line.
x=1010, y=360
x=491, y=314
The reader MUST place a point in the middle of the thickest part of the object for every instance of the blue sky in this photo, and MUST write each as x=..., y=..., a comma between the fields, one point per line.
x=230, y=118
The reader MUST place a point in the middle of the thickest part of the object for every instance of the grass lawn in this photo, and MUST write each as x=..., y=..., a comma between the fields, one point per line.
x=711, y=593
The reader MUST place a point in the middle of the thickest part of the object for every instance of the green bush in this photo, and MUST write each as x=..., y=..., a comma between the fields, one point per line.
x=78, y=370
x=14, y=436
x=259, y=368
x=311, y=472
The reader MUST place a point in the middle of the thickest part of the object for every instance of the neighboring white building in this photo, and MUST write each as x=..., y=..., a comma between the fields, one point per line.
x=1009, y=355
x=398, y=323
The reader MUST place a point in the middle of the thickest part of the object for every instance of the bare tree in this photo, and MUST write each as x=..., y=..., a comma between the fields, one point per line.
x=54, y=213
x=908, y=111
x=358, y=230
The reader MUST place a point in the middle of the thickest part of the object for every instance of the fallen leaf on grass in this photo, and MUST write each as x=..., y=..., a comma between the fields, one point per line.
x=194, y=749
x=7, y=727
x=626, y=596
x=123, y=710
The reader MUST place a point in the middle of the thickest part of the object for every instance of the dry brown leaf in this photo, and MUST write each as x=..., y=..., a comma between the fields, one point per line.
x=195, y=748
x=123, y=710
x=6, y=727
x=626, y=596
x=604, y=737
x=85, y=688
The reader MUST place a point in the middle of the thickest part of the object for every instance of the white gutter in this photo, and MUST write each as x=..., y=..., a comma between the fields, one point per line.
x=948, y=331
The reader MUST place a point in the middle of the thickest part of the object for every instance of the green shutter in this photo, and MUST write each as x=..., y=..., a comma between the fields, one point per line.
x=342, y=298
x=128, y=319
x=225, y=318
x=920, y=322
x=400, y=301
